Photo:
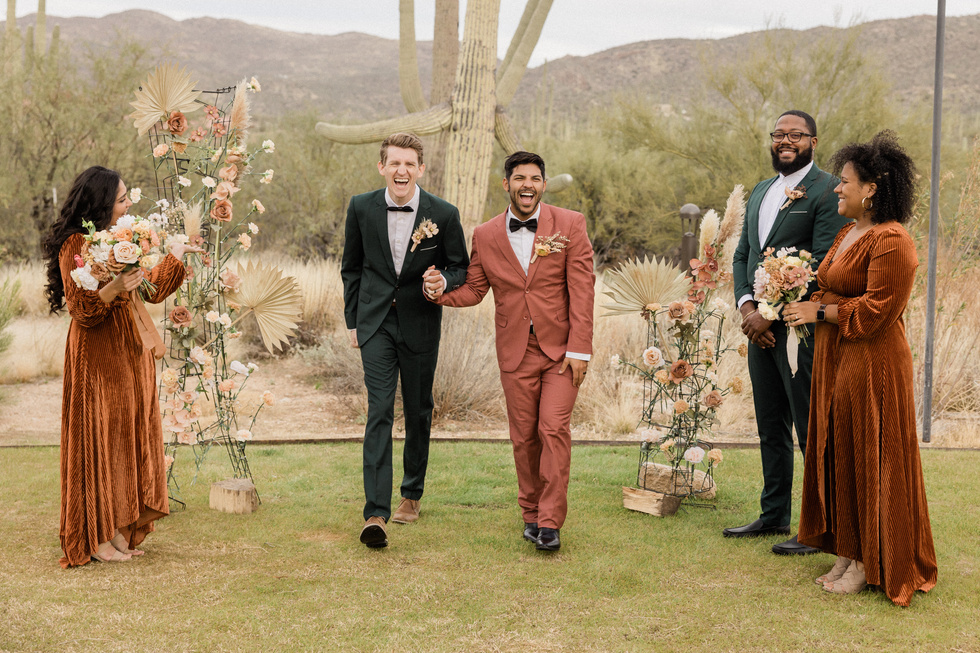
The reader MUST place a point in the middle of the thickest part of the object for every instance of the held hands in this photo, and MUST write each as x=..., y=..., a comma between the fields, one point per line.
x=755, y=327
x=579, y=368
x=800, y=313
x=123, y=283
x=433, y=283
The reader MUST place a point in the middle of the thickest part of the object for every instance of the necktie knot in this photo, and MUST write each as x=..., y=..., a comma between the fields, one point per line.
x=531, y=225
x=406, y=208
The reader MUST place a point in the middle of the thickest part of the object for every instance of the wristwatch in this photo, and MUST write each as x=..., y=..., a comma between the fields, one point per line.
x=821, y=314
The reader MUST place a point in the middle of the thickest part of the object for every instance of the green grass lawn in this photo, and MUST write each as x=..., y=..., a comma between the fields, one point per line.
x=293, y=576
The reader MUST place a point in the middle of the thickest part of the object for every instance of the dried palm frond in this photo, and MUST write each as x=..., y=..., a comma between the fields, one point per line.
x=635, y=284
x=165, y=90
x=709, y=231
x=240, y=120
x=731, y=223
x=274, y=298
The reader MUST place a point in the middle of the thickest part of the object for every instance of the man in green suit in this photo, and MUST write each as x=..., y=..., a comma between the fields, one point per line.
x=392, y=236
x=782, y=399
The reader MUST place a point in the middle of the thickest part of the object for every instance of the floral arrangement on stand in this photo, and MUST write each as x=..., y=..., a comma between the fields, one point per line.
x=682, y=391
x=199, y=169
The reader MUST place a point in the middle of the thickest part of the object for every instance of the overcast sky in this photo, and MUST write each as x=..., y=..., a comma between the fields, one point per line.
x=574, y=27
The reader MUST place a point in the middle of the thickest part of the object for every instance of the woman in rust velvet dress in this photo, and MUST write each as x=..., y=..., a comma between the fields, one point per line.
x=863, y=493
x=113, y=477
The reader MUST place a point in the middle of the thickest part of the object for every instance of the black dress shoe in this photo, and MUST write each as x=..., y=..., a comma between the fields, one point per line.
x=548, y=539
x=792, y=547
x=755, y=529
x=531, y=532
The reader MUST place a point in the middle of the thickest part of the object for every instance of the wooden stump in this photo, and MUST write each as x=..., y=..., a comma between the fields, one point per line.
x=661, y=478
x=236, y=495
x=652, y=503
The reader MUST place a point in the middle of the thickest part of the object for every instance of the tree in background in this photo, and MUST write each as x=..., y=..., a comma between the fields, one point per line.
x=467, y=108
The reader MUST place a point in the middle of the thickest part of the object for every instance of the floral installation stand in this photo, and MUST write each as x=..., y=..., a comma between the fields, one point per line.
x=199, y=168
x=681, y=388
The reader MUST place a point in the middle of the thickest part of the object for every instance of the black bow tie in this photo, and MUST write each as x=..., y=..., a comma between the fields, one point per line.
x=531, y=225
x=406, y=208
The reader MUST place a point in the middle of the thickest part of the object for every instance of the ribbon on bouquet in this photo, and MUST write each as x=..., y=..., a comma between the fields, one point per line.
x=144, y=324
x=792, y=349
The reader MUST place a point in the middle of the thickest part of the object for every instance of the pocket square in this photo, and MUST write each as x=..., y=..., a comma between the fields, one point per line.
x=426, y=249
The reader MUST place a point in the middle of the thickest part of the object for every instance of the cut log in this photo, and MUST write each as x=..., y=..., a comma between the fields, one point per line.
x=661, y=478
x=236, y=495
x=652, y=503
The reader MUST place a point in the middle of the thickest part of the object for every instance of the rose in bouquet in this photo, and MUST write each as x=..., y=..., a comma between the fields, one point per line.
x=783, y=278
x=130, y=243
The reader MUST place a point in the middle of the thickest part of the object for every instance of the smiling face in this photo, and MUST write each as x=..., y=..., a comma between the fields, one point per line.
x=122, y=204
x=788, y=157
x=401, y=169
x=525, y=186
x=851, y=192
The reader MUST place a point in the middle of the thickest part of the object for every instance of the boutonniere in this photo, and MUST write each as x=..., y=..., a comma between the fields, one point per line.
x=548, y=245
x=793, y=194
x=426, y=229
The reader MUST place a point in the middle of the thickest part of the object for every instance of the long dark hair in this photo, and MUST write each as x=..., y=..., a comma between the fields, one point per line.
x=92, y=197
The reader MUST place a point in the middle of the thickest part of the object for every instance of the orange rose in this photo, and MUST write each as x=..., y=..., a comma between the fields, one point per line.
x=713, y=399
x=679, y=312
x=177, y=123
x=680, y=370
x=121, y=233
x=228, y=173
x=181, y=317
x=221, y=211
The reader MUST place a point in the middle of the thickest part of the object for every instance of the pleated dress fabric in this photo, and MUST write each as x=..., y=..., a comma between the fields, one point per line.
x=863, y=492
x=112, y=469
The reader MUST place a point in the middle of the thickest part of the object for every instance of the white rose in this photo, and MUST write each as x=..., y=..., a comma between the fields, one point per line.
x=238, y=368
x=84, y=279
x=268, y=146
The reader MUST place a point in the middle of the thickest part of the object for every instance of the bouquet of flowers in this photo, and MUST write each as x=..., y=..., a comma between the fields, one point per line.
x=130, y=243
x=782, y=278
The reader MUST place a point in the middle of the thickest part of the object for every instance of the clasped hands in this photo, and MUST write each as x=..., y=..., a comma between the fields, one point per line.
x=799, y=313
x=756, y=327
x=433, y=283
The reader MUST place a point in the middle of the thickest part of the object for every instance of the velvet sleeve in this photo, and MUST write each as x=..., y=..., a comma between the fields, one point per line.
x=84, y=306
x=167, y=275
x=891, y=273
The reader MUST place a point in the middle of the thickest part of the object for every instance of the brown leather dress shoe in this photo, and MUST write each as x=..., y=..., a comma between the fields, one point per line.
x=407, y=512
x=374, y=535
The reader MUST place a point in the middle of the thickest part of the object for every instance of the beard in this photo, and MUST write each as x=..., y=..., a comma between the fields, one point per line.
x=803, y=157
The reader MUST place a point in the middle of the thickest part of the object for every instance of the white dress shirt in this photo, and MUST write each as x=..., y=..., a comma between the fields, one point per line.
x=769, y=209
x=400, y=225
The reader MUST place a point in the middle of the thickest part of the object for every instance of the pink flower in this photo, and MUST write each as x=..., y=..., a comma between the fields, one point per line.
x=268, y=398
x=680, y=370
x=161, y=150
x=230, y=280
x=227, y=385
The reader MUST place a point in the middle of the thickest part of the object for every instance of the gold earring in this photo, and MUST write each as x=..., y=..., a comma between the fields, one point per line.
x=869, y=201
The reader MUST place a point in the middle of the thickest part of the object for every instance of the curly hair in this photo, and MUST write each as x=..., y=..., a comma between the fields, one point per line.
x=885, y=163
x=92, y=196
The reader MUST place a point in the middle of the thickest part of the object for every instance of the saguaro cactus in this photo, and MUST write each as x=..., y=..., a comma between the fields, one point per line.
x=468, y=107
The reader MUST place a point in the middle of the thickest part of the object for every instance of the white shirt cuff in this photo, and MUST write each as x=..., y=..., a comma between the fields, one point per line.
x=581, y=357
x=743, y=299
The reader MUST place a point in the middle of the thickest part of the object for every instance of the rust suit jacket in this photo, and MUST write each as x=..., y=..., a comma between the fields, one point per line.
x=556, y=294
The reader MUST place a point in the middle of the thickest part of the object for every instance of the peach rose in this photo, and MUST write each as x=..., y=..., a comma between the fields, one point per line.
x=126, y=253
x=662, y=376
x=177, y=123
x=680, y=370
x=681, y=406
x=221, y=211
x=230, y=280
x=228, y=173
x=679, y=312
x=122, y=233
x=713, y=399
x=653, y=357
x=181, y=317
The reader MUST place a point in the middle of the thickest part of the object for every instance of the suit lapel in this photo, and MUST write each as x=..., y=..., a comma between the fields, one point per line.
x=781, y=216
x=546, y=224
x=500, y=237
x=381, y=217
x=420, y=215
x=753, y=214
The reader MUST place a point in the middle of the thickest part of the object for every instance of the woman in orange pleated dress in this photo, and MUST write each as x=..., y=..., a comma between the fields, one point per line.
x=864, y=499
x=113, y=476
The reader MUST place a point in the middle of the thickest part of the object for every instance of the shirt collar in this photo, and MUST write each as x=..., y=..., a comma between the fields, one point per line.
x=794, y=178
x=414, y=202
x=510, y=214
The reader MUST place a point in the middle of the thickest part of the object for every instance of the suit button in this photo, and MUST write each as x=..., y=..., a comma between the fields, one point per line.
x=525, y=317
x=527, y=290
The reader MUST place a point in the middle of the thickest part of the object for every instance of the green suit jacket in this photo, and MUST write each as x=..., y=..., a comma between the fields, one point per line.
x=809, y=223
x=368, y=270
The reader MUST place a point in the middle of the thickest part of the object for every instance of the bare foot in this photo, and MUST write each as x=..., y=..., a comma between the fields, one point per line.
x=120, y=544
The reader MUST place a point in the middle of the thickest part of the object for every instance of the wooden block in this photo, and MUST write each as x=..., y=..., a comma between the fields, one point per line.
x=652, y=503
x=661, y=478
x=236, y=495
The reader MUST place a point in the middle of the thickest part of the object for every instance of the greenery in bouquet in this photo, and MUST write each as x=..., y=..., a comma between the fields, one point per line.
x=201, y=165
x=684, y=320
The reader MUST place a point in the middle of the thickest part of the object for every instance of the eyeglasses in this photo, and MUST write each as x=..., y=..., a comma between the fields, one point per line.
x=794, y=137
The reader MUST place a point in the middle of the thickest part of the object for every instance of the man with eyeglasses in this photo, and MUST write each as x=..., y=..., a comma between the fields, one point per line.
x=796, y=208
